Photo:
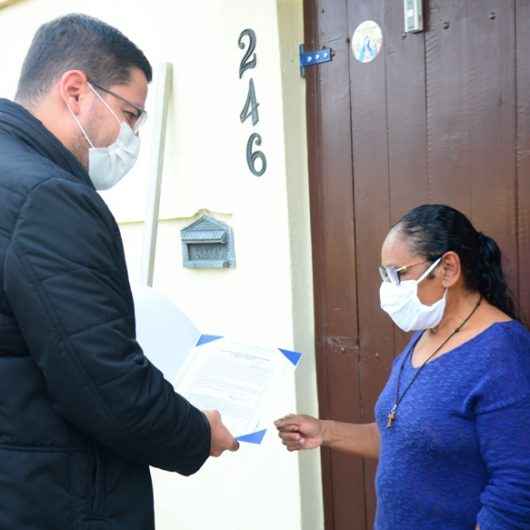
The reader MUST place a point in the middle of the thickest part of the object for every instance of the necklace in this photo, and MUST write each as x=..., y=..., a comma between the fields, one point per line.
x=391, y=418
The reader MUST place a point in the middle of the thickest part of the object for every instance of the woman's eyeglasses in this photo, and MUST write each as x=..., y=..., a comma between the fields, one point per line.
x=393, y=274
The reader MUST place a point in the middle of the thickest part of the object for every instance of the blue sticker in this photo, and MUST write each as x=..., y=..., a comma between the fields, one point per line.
x=205, y=339
x=292, y=356
x=253, y=438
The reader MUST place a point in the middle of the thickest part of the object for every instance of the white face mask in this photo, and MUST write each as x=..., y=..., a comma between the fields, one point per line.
x=407, y=311
x=108, y=165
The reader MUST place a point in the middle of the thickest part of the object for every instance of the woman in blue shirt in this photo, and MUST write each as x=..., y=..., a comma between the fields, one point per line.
x=452, y=430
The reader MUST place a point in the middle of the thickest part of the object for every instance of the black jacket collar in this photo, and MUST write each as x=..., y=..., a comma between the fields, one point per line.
x=17, y=121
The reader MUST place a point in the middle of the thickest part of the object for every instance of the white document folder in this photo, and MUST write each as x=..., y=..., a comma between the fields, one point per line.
x=211, y=371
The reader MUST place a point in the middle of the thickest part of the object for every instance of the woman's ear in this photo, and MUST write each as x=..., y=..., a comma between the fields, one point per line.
x=450, y=269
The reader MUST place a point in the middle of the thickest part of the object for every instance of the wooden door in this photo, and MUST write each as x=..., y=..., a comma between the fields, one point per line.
x=440, y=116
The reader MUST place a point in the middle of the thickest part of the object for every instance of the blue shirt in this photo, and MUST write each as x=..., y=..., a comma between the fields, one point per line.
x=458, y=452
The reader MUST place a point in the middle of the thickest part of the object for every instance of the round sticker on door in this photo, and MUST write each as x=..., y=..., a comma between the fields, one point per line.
x=367, y=41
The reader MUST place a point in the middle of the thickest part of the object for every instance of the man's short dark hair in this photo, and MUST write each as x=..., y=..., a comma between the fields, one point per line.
x=78, y=42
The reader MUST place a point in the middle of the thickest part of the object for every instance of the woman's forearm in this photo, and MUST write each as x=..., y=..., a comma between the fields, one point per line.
x=358, y=439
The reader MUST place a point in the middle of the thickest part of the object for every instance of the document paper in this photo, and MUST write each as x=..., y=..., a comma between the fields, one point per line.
x=235, y=379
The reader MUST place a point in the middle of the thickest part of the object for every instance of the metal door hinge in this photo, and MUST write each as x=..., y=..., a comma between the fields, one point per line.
x=307, y=59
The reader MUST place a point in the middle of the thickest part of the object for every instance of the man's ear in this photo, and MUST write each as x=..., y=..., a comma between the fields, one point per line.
x=73, y=88
x=450, y=269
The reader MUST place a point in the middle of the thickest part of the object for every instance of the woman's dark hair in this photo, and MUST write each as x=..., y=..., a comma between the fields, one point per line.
x=78, y=42
x=434, y=229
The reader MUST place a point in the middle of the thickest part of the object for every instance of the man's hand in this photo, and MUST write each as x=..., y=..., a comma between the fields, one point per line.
x=300, y=432
x=221, y=440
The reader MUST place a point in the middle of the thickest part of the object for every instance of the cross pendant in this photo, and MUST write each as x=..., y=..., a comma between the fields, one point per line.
x=391, y=416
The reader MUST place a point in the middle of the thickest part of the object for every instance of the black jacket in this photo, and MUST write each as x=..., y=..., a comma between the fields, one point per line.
x=82, y=411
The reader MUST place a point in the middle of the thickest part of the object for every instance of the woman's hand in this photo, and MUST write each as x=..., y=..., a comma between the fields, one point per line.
x=300, y=432
x=305, y=432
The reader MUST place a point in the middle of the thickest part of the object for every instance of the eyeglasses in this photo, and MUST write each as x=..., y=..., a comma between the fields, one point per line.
x=392, y=274
x=141, y=114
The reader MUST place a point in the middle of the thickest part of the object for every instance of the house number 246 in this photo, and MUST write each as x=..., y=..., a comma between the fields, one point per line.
x=256, y=160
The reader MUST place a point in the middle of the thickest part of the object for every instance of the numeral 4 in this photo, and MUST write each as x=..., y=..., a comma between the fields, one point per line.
x=251, y=105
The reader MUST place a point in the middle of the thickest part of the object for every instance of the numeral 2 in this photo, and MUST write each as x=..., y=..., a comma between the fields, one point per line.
x=247, y=62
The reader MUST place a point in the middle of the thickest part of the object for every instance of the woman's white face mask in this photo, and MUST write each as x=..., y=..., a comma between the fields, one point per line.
x=108, y=165
x=404, y=307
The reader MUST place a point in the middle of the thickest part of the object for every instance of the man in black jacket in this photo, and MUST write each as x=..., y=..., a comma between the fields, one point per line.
x=82, y=411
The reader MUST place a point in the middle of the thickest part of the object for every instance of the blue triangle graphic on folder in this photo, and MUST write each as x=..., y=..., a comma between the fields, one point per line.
x=292, y=356
x=205, y=339
x=253, y=438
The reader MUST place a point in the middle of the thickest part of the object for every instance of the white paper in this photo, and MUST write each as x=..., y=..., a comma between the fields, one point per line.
x=164, y=332
x=234, y=379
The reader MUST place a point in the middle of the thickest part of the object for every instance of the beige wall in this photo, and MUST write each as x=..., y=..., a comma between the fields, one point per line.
x=268, y=296
x=291, y=33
